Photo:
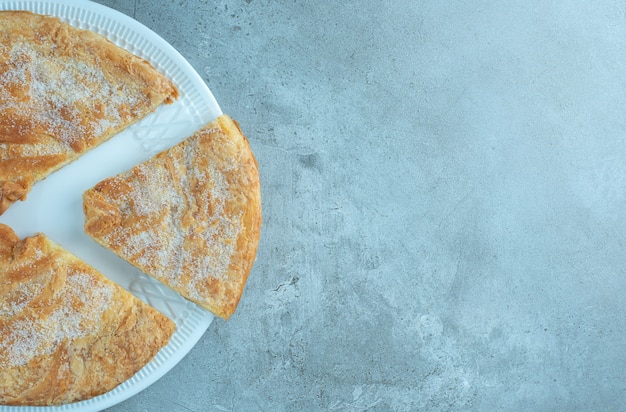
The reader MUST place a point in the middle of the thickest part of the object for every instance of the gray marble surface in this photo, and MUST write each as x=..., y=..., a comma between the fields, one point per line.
x=444, y=205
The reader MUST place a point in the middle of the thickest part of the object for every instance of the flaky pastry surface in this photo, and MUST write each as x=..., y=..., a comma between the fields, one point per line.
x=190, y=216
x=66, y=332
x=63, y=91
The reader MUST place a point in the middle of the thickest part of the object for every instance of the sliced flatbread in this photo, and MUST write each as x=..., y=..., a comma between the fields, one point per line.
x=189, y=217
x=63, y=91
x=66, y=332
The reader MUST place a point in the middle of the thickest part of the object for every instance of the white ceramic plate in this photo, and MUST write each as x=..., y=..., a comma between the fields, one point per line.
x=54, y=206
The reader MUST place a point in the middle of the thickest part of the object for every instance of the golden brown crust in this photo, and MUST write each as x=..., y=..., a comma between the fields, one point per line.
x=66, y=332
x=190, y=216
x=63, y=91
x=10, y=192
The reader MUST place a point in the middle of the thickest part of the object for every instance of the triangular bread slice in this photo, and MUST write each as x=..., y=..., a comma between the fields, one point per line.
x=66, y=332
x=189, y=216
x=63, y=91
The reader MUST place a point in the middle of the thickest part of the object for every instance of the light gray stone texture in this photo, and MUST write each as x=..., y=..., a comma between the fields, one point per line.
x=444, y=195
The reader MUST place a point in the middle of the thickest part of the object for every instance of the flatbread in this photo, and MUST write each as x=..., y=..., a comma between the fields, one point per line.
x=63, y=91
x=189, y=217
x=66, y=332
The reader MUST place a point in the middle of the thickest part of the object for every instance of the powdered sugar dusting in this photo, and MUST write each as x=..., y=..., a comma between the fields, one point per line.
x=220, y=236
x=62, y=96
x=21, y=297
x=76, y=314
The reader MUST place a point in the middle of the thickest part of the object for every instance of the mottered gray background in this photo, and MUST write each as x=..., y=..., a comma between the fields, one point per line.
x=444, y=204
